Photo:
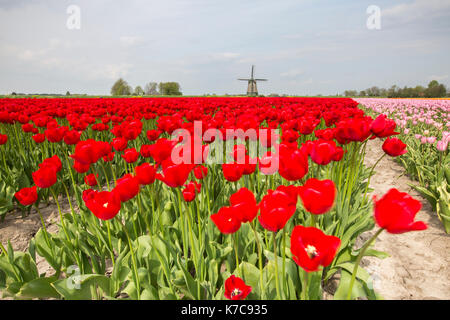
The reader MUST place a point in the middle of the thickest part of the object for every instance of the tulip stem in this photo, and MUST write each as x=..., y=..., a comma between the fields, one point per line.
x=313, y=220
x=305, y=285
x=133, y=259
x=4, y=252
x=60, y=213
x=109, y=240
x=236, y=253
x=182, y=225
x=45, y=230
x=72, y=211
x=370, y=175
x=277, y=285
x=284, y=262
x=106, y=176
x=194, y=250
x=258, y=244
x=4, y=160
x=358, y=260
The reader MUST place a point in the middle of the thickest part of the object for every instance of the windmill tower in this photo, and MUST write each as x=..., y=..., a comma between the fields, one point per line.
x=252, y=90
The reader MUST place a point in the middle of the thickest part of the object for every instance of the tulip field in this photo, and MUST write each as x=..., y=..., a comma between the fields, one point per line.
x=210, y=198
x=424, y=125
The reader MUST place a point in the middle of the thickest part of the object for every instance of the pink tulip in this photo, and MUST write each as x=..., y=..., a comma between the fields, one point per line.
x=442, y=145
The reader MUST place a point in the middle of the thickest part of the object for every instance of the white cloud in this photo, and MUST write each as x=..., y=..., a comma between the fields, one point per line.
x=438, y=78
x=112, y=71
x=292, y=73
x=224, y=56
x=129, y=41
x=416, y=10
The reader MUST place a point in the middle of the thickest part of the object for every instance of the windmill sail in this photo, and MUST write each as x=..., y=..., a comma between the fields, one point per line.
x=252, y=89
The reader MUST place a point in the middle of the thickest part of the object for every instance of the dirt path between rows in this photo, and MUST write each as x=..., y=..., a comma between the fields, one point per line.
x=419, y=262
x=20, y=230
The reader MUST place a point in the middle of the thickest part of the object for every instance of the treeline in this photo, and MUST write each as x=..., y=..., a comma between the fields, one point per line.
x=434, y=90
x=122, y=88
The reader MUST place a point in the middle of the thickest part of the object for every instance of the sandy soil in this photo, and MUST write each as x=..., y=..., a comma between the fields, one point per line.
x=20, y=230
x=419, y=262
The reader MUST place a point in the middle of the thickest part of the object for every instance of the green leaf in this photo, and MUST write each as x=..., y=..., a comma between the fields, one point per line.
x=79, y=287
x=39, y=288
x=344, y=287
x=251, y=276
x=375, y=253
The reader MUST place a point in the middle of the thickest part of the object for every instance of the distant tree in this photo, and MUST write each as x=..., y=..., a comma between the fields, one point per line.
x=67, y=93
x=138, y=91
x=362, y=93
x=435, y=90
x=151, y=89
x=14, y=94
x=170, y=89
x=419, y=91
x=121, y=88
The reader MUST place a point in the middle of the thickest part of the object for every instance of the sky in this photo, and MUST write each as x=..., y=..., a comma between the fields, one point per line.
x=303, y=47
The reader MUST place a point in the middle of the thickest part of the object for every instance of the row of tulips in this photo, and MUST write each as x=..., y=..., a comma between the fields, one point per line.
x=143, y=226
x=425, y=128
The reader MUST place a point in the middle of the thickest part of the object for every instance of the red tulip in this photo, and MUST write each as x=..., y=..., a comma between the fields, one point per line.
x=227, y=220
x=276, y=209
x=119, y=144
x=81, y=167
x=130, y=155
x=109, y=157
x=127, y=187
x=236, y=289
x=191, y=189
x=72, y=137
x=323, y=152
x=174, y=175
x=89, y=151
x=396, y=211
x=39, y=138
x=293, y=163
x=244, y=203
x=53, y=162
x=104, y=205
x=232, y=171
x=394, y=147
x=383, y=127
x=88, y=194
x=317, y=196
x=353, y=129
x=312, y=248
x=91, y=180
x=146, y=173
x=200, y=172
x=162, y=149
x=3, y=139
x=269, y=163
x=146, y=151
x=152, y=135
x=55, y=134
x=28, y=127
x=45, y=177
x=27, y=196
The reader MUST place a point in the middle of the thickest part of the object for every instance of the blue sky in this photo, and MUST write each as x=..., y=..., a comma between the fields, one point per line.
x=303, y=47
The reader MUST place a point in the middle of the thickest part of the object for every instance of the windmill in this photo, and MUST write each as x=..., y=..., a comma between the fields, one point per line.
x=252, y=90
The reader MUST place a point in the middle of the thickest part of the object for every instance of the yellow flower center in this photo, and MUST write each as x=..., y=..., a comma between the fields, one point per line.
x=311, y=251
x=236, y=292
